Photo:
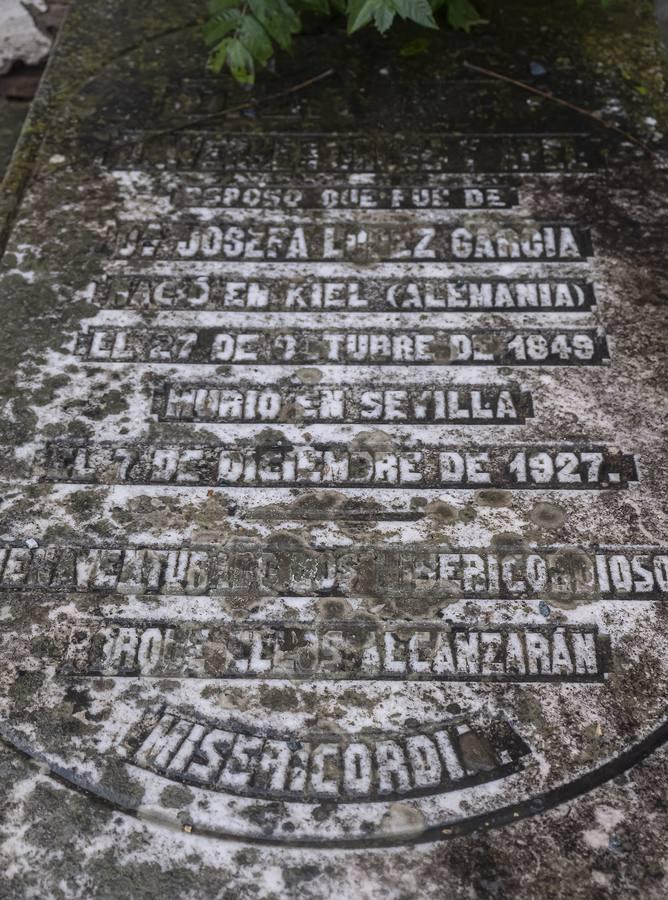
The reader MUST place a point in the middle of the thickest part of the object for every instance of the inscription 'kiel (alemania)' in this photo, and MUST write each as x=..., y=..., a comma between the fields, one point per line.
x=331, y=496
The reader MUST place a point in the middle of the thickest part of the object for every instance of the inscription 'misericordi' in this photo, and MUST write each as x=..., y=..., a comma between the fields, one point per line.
x=563, y=467
x=321, y=295
x=331, y=243
x=389, y=571
x=365, y=767
x=339, y=650
x=492, y=347
x=459, y=404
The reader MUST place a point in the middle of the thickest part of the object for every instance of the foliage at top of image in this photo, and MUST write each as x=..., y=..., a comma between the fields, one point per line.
x=244, y=34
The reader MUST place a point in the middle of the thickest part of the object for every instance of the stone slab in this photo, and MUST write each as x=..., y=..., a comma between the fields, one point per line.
x=333, y=552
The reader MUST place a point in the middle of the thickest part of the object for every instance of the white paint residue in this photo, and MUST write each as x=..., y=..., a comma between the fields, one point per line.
x=20, y=38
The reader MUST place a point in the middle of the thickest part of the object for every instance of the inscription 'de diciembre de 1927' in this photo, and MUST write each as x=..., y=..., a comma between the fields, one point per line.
x=327, y=484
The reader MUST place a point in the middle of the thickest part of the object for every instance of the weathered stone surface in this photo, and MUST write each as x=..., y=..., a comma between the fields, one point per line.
x=333, y=547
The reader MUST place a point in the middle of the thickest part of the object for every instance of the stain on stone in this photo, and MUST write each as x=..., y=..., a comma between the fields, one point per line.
x=494, y=498
x=442, y=511
x=373, y=440
x=402, y=818
x=175, y=796
x=509, y=540
x=548, y=515
x=309, y=375
x=126, y=790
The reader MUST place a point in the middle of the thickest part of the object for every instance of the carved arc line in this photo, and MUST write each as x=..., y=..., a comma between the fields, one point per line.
x=507, y=815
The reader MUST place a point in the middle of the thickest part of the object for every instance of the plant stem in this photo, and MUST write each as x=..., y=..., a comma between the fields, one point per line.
x=585, y=112
x=250, y=104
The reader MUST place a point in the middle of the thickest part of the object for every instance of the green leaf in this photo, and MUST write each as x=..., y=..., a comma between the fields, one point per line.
x=240, y=62
x=417, y=10
x=221, y=25
x=384, y=16
x=218, y=56
x=278, y=19
x=463, y=15
x=255, y=39
x=360, y=13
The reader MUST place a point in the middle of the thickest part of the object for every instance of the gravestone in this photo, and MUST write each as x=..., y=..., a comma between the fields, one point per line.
x=333, y=544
